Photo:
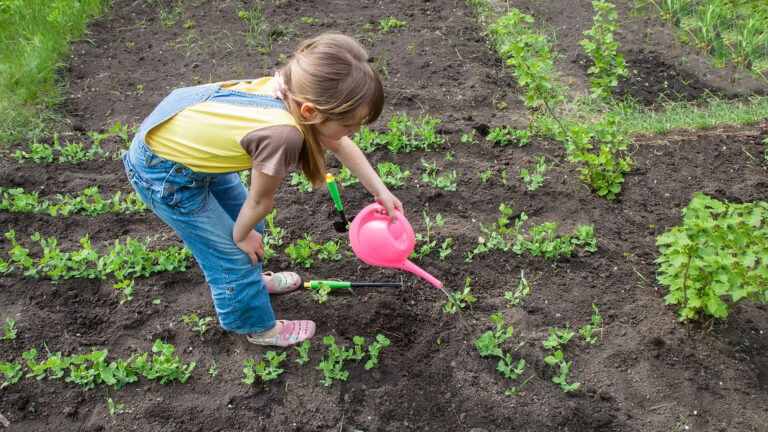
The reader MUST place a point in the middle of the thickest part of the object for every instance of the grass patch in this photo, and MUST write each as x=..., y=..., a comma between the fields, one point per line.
x=34, y=43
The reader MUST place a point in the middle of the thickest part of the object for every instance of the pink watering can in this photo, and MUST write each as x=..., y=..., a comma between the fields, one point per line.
x=379, y=242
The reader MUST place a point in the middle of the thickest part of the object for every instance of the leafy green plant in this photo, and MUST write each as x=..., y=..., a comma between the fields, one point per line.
x=303, y=350
x=273, y=236
x=374, y=349
x=508, y=135
x=301, y=251
x=87, y=202
x=557, y=338
x=266, y=370
x=303, y=184
x=163, y=365
x=115, y=408
x=11, y=373
x=346, y=177
x=445, y=248
x=523, y=289
x=320, y=295
x=600, y=45
x=463, y=299
x=329, y=251
x=199, y=325
x=585, y=236
x=427, y=244
x=406, y=134
x=557, y=359
x=332, y=362
x=469, y=137
x=445, y=182
x=589, y=329
x=489, y=345
x=392, y=175
x=486, y=175
x=387, y=24
x=212, y=370
x=9, y=330
x=535, y=178
x=719, y=251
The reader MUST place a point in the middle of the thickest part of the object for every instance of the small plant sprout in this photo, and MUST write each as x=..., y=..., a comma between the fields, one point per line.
x=557, y=359
x=387, y=24
x=445, y=248
x=303, y=352
x=320, y=295
x=469, y=138
x=332, y=364
x=212, y=370
x=489, y=342
x=392, y=175
x=535, y=178
x=523, y=289
x=596, y=325
x=508, y=135
x=199, y=325
x=427, y=244
x=301, y=182
x=115, y=408
x=9, y=330
x=267, y=371
x=374, y=349
x=463, y=299
x=11, y=373
x=557, y=338
x=485, y=175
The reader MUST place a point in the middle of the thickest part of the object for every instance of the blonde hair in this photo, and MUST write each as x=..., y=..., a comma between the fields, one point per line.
x=332, y=72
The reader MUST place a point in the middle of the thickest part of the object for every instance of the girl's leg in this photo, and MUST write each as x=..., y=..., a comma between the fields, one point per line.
x=183, y=200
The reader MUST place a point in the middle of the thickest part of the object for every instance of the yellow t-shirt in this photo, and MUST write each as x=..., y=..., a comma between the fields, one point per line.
x=206, y=137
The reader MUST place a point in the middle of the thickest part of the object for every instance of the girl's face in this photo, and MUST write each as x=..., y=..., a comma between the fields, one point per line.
x=336, y=129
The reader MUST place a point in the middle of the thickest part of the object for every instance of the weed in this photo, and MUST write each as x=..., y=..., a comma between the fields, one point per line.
x=463, y=299
x=197, y=324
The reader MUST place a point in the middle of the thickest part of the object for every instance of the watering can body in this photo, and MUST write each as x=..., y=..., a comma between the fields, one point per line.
x=379, y=242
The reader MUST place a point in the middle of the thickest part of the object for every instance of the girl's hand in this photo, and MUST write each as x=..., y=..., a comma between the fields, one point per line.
x=253, y=246
x=390, y=203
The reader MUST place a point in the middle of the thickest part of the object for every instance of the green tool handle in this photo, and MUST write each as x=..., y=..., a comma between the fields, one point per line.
x=334, y=190
x=315, y=284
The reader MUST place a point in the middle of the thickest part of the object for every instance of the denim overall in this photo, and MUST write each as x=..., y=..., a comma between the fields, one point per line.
x=202, y=209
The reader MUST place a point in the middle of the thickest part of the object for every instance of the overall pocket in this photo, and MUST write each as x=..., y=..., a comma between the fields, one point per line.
x=183, y=191
x=140, y=184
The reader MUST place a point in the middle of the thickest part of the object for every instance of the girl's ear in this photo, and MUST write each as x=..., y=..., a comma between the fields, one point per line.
x=308, y=111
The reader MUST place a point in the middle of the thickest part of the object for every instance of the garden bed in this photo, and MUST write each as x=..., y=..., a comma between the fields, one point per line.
x=647, y=371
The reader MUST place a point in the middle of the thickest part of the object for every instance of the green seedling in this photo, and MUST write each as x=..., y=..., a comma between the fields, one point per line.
x=328, y=251
x=503, y=179
x=273, y=236
x=557, y=338
x=488, y=344
x=127, y=286
x=392, y=175
x=332, y=363
x=405, y=134
x=199, y=325
x=486, y=175
x=445, y=248
x=115, y=408
x=374, y=349
x=301, y=251
x=212, y=370
x=303, y=350
x=267, y=371
x=320, y=295
x=346, y=177
x=356, y=353
x=11, y=373
x=588, y=330
x=523, y=289
x=9, y=330
x=462, y=299
x=509, y=368
x=445, y=182
x=557, y=359
x=585, y=236
x=303, y=184
x=535, y=178
x=387, y=24
x=163, y=365
x=469, y=138
x=508, y=135
x=427, y=244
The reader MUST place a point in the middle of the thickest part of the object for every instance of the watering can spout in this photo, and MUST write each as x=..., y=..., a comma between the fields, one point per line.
x=418, y=271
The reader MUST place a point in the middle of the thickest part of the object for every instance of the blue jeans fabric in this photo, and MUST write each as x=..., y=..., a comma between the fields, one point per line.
x=202, y=209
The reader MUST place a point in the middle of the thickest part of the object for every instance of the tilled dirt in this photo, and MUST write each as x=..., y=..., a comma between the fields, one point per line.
x=647, y=371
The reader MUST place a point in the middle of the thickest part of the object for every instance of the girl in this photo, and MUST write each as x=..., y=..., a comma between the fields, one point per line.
x=184, y=160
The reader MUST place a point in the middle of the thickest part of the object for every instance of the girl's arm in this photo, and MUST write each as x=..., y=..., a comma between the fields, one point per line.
x=256, y=207
x=347, y=152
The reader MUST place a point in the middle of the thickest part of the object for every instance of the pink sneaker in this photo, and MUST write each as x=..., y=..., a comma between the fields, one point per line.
x=282, y=282
x=292, y=333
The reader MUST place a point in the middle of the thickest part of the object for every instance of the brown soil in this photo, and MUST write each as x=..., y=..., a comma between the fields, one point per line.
x=647, y=372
